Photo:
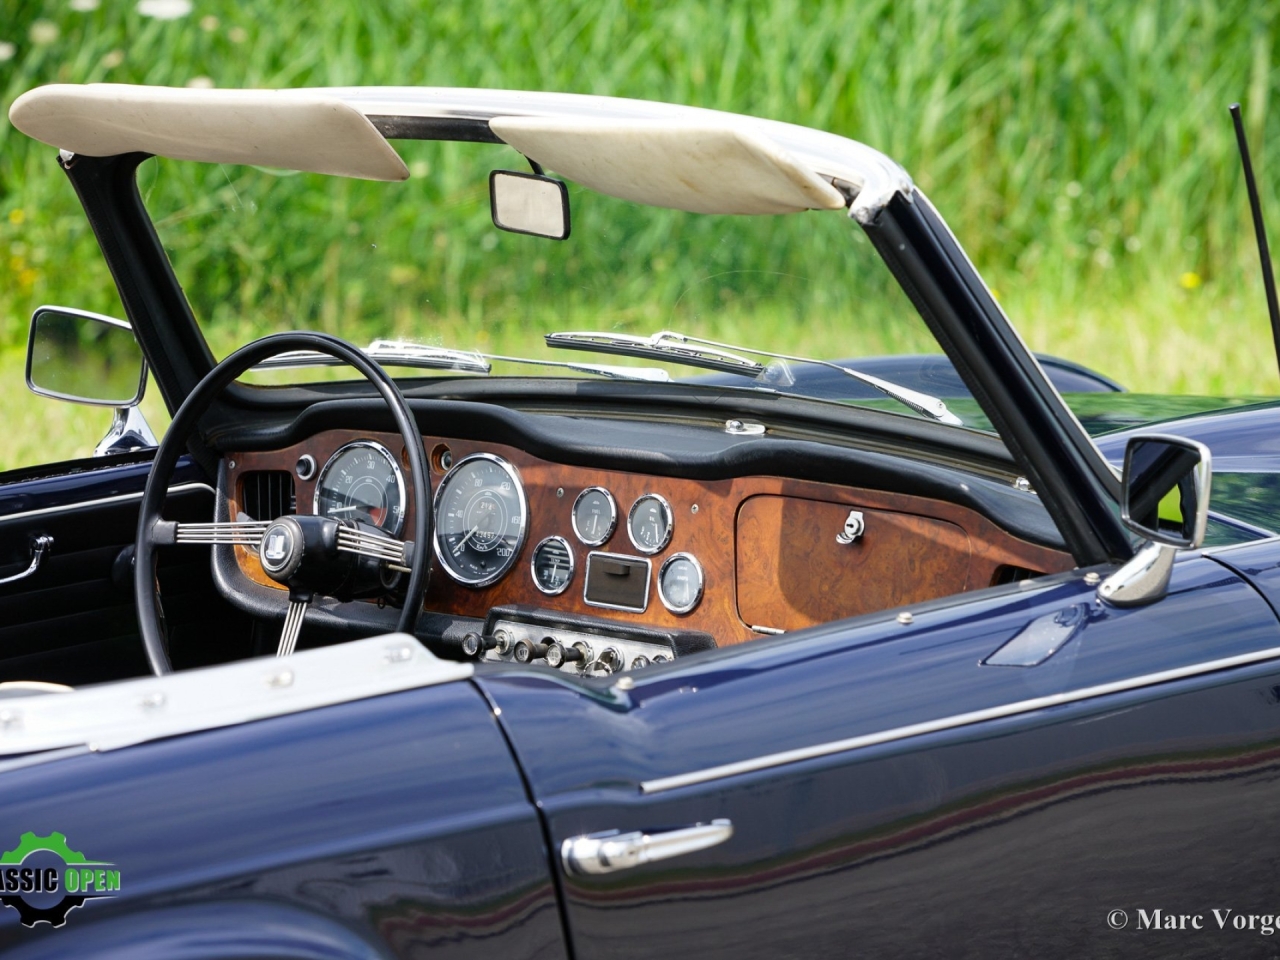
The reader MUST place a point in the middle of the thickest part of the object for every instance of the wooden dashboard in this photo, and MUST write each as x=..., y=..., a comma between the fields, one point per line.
x=767, y=545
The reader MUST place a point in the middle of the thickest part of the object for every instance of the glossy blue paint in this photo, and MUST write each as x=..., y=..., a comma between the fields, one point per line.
x=60, y=486
x=1241, y=440
x=227, y=930
x=797, y=877
x=402, y=817
x=933, y=374
x=1258, y=563
x=1245, y=444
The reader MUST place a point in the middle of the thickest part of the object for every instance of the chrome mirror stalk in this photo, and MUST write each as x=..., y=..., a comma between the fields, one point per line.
x=1142, y=580
x=129, y=431
x=1164, y=499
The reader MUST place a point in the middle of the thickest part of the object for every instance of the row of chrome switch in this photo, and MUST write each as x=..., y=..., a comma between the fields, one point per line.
x=576, y=654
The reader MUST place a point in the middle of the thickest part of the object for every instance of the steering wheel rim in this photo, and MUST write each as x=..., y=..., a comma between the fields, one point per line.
x=183, y=425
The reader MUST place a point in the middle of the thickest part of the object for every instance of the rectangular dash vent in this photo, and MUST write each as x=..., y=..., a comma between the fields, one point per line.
x=267, y=494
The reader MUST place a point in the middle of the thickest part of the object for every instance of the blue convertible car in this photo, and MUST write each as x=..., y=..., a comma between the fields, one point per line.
x=642, y=643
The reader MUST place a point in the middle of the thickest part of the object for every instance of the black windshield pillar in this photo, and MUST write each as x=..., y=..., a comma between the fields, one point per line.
x=153, y=300
x=1072, y=480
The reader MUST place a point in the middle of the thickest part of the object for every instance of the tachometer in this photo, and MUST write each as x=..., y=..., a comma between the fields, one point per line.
x=481, y=519
x=362, y=481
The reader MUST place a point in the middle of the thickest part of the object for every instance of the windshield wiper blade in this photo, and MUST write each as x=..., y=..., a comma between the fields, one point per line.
x=669, y=344
x=660, y=346
x=424, y=356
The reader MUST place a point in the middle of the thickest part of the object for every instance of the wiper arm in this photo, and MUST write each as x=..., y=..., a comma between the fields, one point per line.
x=668, y=347
x=651, y=374
x=395, y=352
x=921, y=403
x=714, y=355
x=424, y=356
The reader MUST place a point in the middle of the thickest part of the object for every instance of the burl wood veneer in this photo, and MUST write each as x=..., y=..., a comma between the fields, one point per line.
x=766, y=544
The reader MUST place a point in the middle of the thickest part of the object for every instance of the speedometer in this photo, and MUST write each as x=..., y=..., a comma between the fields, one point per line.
x=481, y=519
x=362, y=481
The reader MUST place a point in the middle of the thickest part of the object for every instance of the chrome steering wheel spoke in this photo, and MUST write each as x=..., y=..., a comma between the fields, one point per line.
x=292, y=624
x=397, y=554
x=246, y=533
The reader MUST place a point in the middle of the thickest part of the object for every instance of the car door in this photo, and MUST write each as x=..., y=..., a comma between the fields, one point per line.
x=892, y=794
x=361, y=802
x=67, y=615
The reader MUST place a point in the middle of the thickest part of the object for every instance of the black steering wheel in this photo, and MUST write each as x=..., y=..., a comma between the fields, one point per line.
x=309, y=555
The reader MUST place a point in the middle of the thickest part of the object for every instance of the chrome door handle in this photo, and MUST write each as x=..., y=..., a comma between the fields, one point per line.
x=611, y=851
x=39, y=547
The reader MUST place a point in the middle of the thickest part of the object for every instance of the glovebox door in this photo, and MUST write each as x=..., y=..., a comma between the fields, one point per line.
x=891, y=795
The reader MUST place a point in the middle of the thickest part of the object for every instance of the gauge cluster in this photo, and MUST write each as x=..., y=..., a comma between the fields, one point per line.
x=613, y=546
x=482, y=518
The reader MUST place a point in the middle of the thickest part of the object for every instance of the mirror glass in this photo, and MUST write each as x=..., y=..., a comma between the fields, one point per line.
x=85, y=357
x=1166, y=489
x=527, y=203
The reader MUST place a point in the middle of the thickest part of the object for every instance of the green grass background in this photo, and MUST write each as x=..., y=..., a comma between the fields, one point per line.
x=1081, y=152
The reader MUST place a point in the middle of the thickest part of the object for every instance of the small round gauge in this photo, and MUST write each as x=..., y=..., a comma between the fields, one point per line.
x=362, y=481
x=649, y=523
x=481, y=519
x=595, y=515
x=552, y=565
x=680, y=582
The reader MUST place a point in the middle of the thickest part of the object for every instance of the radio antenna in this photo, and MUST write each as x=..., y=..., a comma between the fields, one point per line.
x=1259, y=228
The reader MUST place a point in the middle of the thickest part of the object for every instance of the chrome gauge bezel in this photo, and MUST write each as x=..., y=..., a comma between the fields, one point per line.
x=613, y=516
x=443, y=485
x=671, y=523
x=533, y=565
x=702, y=584
x=395, y=469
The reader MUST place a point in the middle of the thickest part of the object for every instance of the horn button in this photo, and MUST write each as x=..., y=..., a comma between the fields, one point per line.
x=302, y=553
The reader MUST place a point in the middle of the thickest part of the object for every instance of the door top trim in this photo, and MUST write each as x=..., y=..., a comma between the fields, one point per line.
x=100, y=501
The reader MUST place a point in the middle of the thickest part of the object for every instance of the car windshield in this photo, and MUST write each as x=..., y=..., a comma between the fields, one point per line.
x=417, y=269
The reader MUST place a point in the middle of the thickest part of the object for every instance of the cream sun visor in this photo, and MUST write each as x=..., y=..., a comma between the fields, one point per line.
x=689, y=166
x=269, y=128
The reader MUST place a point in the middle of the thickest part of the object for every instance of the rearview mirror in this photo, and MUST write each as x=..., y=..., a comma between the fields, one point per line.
x=528, y=203
x=1165, y=496
x=85, y=358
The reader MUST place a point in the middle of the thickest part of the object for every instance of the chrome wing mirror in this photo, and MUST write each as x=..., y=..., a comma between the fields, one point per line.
x=1165, y=500
x=84, y=357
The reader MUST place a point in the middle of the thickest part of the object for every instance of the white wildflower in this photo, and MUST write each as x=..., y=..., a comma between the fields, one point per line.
x=164, y=9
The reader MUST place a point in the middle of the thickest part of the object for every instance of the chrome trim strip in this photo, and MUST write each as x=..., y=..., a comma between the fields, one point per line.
x=118, y=498
x=913, y=730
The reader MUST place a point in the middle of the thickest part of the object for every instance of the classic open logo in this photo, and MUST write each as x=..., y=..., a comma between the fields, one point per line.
x=44, y=879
